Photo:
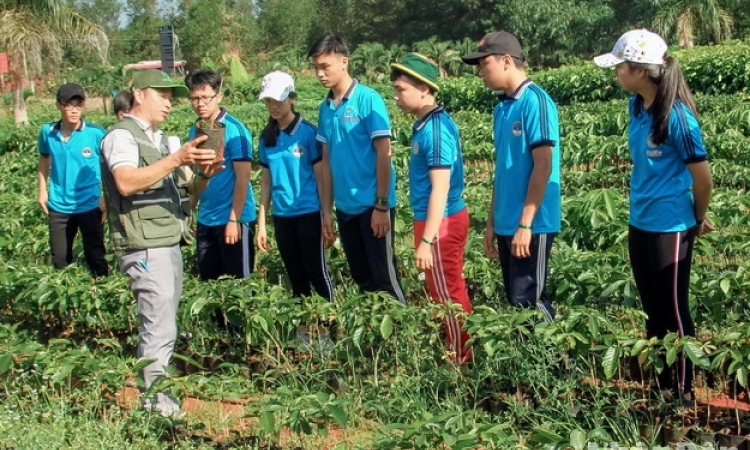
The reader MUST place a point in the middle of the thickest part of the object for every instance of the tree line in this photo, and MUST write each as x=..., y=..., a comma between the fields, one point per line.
x=555, y=32
x=45, y=37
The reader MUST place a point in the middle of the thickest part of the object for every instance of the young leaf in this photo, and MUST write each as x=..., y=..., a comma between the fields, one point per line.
x=386, y=326
x=609, y=362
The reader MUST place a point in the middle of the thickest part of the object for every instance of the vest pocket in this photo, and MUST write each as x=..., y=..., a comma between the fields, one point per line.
x=158, y=221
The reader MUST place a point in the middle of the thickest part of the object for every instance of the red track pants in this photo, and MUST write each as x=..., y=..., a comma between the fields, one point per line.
x=445, y=280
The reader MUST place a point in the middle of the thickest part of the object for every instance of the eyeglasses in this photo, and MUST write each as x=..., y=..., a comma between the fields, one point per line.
x=205, y=100
x=72, y=106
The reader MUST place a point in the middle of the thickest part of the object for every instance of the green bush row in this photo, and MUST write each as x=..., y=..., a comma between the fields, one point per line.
x=712, y=70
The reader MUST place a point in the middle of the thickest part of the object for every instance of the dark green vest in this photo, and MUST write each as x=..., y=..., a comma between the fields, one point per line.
x=155, y=217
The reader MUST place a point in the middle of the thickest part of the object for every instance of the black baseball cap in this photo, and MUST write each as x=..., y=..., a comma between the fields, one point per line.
x=69, y=91
x=496, y=43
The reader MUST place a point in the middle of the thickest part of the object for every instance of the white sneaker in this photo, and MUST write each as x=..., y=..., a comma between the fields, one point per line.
x=164, y=404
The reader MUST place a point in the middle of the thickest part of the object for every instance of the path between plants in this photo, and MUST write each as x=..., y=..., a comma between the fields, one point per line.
x=224, y=421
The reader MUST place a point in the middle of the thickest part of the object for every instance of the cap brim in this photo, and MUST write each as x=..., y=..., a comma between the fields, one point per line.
x=607, y=60
x=68, y=98
x=178, y=90
x=416, y=75
x=273, y=96
x=473, y=58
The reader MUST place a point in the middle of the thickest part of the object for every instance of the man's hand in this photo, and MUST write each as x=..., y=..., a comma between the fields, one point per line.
x=520, y=246
x=490, y=243
x=209, y=163
x=261, y=239
x=424, y=256
x=329, y=228
x=380, y=222
x=103, y=208
x=42, y=199
x=706, y=227
x=232, y=233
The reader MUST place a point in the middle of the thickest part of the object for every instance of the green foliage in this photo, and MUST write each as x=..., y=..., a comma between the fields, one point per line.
x=715, y=70
x=533, y=384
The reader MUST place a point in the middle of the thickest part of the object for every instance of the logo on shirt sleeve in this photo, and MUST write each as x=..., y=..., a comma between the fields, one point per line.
x=86, y=152
x=415, y=147
x=517, y=128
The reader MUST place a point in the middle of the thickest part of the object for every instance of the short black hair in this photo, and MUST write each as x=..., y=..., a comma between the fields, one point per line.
x=123, y=101
x=328, y=43
x=396, y=74
x=203, y=77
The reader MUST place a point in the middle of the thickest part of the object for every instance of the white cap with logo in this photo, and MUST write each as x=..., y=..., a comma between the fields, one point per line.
x=277, y=85
x=638, y=46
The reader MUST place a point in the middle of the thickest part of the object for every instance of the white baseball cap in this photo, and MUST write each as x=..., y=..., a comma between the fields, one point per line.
x=638, y=46
x=277, y=85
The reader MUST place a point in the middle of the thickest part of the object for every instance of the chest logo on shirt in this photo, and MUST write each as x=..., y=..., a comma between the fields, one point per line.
x=517, y=128
x=415, y=148
x=651, y=144
x=298, y=151
x=86, y=152
x=350, y=114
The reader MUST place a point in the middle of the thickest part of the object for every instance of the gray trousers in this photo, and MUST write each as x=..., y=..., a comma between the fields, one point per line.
x=156, y=280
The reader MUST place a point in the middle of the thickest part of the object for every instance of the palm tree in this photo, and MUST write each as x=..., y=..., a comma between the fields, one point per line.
x=33, y=32
x=445, y=56
x=371, y=60
x=688, y=18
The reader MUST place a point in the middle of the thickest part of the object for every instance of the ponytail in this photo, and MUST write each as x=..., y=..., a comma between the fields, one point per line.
x=270, y=132
x=672, y=88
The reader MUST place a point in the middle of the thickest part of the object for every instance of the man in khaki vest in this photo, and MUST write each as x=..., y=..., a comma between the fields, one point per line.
x=147, y=196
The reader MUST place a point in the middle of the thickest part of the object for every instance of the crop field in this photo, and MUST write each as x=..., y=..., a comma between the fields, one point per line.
x=67, y=342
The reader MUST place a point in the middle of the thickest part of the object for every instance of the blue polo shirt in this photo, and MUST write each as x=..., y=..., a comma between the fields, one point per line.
x=522, y=122
x=349, y=130
x=661, y=196
x=75, y=167
x=294, y=189
x=216, y=200
x=436, y=144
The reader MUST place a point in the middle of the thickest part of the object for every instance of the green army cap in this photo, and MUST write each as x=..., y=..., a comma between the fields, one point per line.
x=156, y=79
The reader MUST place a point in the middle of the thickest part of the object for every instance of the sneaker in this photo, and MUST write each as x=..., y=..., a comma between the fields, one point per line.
x=687, y=400
x=304, y=341
x=323, y=344
x=165, y=405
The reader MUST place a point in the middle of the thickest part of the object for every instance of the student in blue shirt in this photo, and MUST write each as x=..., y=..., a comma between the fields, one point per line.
x=354, y=128
x=69, y=179
x=436, y=181
x=226, y=211
x=290, y=156
x=526, y=204
x=670, y=189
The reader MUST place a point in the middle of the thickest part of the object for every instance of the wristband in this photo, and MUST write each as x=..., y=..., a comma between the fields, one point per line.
x=426, y=241
x=200, y=174
x=381, y=199
x=235, y=221
x=524, y=227
x=699, y=222
x=380, y=208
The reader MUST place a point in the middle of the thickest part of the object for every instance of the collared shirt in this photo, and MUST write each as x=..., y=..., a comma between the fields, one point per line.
x=294, y=188
x=216, y=200
x=120, y=148
x=661, y=196
x=75, y=166
x=522, y=122
x=349, y=130
x=436, y=144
